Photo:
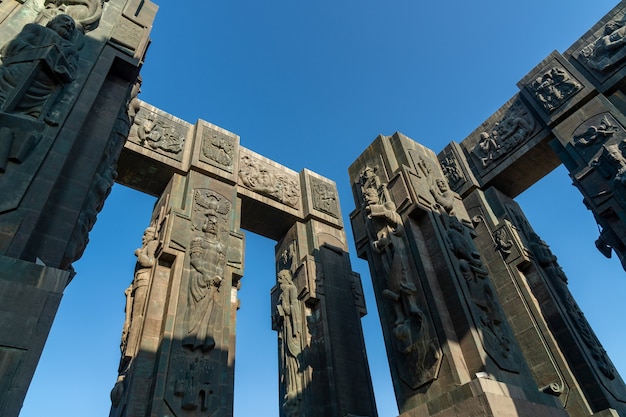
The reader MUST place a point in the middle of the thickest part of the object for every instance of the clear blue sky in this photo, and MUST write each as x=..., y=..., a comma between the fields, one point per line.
x=310, y=85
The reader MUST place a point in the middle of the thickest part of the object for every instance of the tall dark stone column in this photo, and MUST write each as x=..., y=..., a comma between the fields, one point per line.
x=318, y=301
x=183, y=360
x=69, y=73
x=448, y=341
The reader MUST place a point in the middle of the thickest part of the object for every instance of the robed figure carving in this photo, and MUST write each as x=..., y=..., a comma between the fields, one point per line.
x=35, y=63
x=207, y=255
x=136, y=295
x=418, y=348
x=289, y=319
x=387, y=231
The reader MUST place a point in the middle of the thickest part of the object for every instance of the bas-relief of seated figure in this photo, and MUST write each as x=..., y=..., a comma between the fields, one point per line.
x=608, y=49
x=53, y=47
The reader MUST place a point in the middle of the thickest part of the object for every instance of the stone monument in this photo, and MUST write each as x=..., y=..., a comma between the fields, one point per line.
x=476, y=312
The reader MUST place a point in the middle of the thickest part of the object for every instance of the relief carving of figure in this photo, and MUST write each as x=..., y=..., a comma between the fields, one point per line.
x=546, y=258
x=207, y=256
x=608, y=50
x=157, y=134
x=488, y=145
x=481, y=293
x=596, y=134
x=612, y=165
x=451, y=170
x=442, y=194
x=554, y=87
x=86, y=13
x=263, y=179
x=324, y=197
x=135, y=295
x=51, y=45
x=387, y=231
x=218, y=148
x=290, y=320
x=516, y=126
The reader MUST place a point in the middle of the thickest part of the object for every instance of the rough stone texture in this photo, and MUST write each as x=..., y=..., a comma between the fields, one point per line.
x=484, y=397
x=29, y=297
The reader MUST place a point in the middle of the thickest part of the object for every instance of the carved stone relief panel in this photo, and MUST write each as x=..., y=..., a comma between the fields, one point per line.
x=269, y=180
x=554, y=87
x=597, y=133
x=86, y=13
x=207, y=257
x=413, y=338
x=603, y=52
x=501, y=136
x=324, y=197
x=218, y=148
x=429, y=183
x=289, y=320
x=488, y=316
x=158, y=133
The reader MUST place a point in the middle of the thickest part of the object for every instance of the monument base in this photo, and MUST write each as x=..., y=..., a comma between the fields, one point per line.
x=485, y=397
x=29, y=298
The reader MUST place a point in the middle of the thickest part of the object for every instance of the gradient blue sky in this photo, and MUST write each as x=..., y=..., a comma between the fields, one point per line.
x=310, y=85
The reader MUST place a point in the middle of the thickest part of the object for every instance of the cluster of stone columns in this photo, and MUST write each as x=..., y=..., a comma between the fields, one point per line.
x=475, y=309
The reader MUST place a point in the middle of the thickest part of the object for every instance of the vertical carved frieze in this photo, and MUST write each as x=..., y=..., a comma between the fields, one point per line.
x=413, y=341
x=557, y=280
x=199, y=377
x=291, y=319
x=485, y=307
x=207, y=257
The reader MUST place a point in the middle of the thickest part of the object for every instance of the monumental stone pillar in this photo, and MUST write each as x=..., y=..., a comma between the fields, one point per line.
x=69, y=71
x=490, y=167
x=449, y=344
x=317, y=306
x=178, y=342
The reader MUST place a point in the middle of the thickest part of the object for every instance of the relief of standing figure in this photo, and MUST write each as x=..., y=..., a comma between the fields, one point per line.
x=208, y=260
x=387, y=236
x=290, y=319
